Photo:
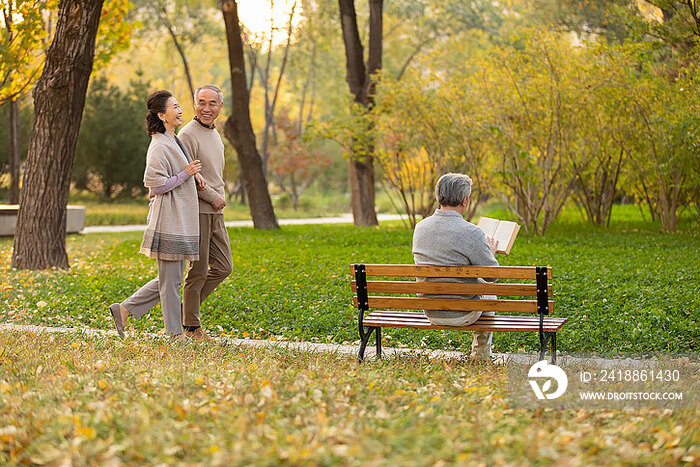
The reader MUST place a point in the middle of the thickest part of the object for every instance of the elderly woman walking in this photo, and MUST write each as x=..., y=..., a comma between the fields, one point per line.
x=172, y=233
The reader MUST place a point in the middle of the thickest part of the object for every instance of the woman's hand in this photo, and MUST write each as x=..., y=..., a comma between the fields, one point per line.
x=199, y=181
x=194, y=167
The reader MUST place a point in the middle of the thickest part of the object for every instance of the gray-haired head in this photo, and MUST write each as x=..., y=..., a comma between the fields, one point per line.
x=451, y=189
x=210, y=87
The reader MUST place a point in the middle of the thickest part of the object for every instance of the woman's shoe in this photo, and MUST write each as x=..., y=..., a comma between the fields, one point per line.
x=117, y=318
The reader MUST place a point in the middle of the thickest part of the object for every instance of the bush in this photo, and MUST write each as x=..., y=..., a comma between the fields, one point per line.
x=113, y=141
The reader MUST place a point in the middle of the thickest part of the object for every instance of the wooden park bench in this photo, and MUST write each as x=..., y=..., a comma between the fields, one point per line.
x=399, y=307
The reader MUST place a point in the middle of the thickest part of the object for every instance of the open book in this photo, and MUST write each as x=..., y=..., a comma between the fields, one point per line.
x=503, y=232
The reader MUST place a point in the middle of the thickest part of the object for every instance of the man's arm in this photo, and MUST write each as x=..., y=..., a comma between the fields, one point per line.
x=480, y=252
x=208, y=194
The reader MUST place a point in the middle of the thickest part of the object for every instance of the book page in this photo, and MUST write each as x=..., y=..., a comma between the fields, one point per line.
x=488, y=225
x=504, y=232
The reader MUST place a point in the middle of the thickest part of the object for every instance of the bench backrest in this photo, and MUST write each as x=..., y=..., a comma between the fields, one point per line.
x=394, y=291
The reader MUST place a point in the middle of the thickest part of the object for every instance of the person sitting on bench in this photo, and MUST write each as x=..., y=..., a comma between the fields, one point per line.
x=446, y=239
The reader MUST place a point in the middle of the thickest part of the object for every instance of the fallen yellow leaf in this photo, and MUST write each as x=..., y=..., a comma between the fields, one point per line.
x=672, y=444
x=565, y=438
x=180, y=412
x=86, y=432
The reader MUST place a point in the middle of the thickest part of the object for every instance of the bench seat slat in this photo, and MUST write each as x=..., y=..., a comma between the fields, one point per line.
x=524, y=290
x=489, y=319
x=454, y=304
x=486, y=323
x=415, y=270
x=390, y=314
x=476, y=327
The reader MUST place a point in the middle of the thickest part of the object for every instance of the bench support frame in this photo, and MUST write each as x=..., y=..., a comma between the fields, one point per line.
x=366, y=332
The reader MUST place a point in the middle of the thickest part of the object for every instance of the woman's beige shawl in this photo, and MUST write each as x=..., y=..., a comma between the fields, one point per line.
x=172, y=233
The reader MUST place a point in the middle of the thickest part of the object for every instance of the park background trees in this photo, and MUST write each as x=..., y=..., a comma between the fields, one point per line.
x=547, y=104
x=554, y=116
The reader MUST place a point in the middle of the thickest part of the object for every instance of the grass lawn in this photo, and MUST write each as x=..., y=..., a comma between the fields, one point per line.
x=72, y=400
x=626, y=288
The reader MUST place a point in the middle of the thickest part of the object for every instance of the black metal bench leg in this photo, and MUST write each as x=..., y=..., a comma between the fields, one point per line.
x=544, y=340
x=364, y=340
x=378, y=337
x=363, y=344
x=548, y=337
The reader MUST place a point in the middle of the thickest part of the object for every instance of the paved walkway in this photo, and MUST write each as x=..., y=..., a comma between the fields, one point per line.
x=351, y=350
x=342, y=219
x=304, y=346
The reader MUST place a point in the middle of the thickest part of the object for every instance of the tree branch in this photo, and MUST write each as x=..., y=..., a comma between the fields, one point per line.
x=412, y=56
x=162, y=16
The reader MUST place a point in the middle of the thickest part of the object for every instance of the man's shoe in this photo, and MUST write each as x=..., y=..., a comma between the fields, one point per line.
x=198, y=335
x=179, y=338
x=117, y=317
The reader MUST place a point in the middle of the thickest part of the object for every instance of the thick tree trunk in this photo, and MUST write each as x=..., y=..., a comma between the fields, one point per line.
x=14, y=152
x=354, y=60
x=362, y=87
x=59, y=98
x=238, y=128
x=362, y=192
x=374, y=61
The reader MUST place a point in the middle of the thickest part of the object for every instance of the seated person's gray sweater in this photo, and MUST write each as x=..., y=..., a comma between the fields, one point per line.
x=446, y=239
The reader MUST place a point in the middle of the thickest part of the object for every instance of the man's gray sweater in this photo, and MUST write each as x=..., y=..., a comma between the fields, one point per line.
x=446, y=239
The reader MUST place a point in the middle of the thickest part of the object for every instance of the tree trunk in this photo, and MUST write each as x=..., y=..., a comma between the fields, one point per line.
x=238, y=128
x=361, y=167
x=59, y=98
x=241, y=191
x=354, y=61
x=374, y=61
x=362, y=192
x=14, y=158
x=14, y=152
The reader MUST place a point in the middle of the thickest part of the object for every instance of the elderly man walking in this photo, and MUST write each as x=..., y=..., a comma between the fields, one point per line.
x=446, y=239
x=204, y=143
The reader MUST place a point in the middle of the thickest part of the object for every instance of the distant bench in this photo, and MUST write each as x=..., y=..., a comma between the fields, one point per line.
x=75, y=219
x=396, y=310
